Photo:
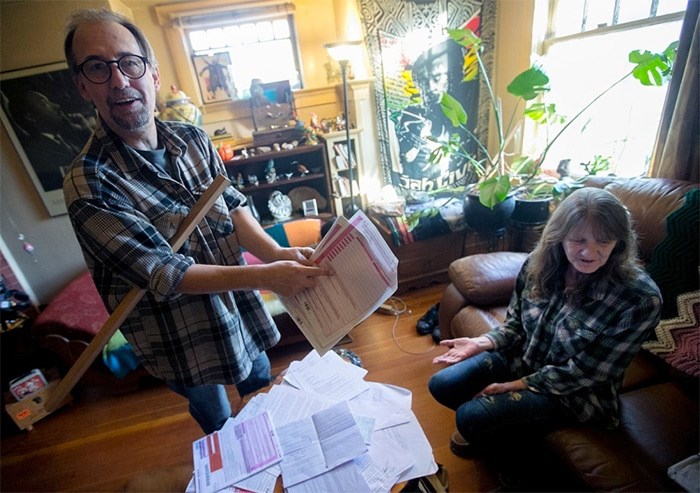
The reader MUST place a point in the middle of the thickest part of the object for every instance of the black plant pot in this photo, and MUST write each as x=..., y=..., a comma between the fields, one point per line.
x=531, y=211
x=484, y=220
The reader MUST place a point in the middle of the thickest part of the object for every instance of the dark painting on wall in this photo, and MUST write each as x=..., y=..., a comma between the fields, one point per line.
x=48, y=122
x=214, y=76
x=414, y=62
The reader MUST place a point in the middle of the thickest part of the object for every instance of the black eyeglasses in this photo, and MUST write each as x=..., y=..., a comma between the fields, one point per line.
x=99, y=71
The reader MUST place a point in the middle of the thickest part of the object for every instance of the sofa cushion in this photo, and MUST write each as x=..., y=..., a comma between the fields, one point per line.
x=650, y=201
x=678, y=339
x=659, y=427
x=644, y=369
x=662, y=422
x=603, y=460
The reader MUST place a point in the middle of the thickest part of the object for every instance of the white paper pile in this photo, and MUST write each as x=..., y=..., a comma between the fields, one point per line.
x=323, y=429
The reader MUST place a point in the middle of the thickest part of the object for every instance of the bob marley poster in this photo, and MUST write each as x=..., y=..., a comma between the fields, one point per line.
x=415, y=75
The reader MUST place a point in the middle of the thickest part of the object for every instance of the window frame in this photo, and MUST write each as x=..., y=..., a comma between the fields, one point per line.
x=247, y=19
x=544, y=39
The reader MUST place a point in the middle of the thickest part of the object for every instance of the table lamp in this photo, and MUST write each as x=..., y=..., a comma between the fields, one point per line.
x=342, y=52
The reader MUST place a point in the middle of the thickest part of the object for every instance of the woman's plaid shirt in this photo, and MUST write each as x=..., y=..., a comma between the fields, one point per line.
x=579, y=352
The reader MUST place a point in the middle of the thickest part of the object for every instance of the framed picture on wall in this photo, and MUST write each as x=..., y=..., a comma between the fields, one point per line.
x=48, y=122
x=214, y=77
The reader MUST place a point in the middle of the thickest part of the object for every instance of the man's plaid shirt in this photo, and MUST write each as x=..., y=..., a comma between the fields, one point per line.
x=124, y=210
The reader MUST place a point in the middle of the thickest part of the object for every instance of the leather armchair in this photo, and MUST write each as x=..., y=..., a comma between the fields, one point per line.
x=477, y=298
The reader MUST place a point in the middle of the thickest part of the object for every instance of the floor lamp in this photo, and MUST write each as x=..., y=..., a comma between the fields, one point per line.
x=342, y=52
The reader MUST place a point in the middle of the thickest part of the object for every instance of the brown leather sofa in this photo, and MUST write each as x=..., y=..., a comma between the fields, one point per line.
x=659, y=405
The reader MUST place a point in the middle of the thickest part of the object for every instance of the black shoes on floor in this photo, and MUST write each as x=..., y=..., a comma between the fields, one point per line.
x=428, y=323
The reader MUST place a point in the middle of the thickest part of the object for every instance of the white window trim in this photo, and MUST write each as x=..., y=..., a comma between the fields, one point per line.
x=627, y=26
x=172, y=18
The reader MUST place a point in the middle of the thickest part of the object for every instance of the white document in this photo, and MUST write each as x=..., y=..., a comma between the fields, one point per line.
x=365, y=277
x=286, y=404
x=387, y=404
x=406, y=439
x=346, y=477
x=329, y=376
x=234, y=453
x=318, y=444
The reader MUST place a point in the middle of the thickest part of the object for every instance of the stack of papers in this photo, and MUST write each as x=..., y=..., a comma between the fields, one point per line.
x=323, y=429
x=365, y=277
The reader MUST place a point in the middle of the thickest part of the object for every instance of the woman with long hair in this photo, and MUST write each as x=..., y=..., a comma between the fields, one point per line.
x=581, y=309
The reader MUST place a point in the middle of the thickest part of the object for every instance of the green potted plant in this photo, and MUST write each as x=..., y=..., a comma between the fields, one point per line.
x=500, y=174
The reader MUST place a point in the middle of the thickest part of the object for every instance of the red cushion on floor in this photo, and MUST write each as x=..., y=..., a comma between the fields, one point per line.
x=77, y=312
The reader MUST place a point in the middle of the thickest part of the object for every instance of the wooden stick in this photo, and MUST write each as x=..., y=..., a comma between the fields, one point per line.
x=127, y=305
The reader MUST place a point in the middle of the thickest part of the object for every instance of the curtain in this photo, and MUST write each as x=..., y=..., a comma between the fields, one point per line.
x=677, y=150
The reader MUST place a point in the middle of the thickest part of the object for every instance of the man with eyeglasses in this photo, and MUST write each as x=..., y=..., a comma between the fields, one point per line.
x=202, y=323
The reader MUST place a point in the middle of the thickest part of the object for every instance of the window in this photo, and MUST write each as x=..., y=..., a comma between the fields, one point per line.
x=263, y=48
x=586, y=51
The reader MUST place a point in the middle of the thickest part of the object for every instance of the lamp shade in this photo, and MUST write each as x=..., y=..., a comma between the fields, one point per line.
x=342, y=51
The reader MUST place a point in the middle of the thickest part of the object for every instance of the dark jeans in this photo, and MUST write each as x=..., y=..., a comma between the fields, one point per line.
x=209, y=404
x=485, y=421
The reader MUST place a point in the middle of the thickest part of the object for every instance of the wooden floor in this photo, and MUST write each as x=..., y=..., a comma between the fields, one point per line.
x=102, y=442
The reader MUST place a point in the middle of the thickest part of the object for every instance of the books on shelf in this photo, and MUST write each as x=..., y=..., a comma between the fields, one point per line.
x=341, y=156
x=343, y=187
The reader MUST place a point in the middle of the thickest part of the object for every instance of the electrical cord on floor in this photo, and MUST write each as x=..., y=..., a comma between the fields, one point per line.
x=396, y=306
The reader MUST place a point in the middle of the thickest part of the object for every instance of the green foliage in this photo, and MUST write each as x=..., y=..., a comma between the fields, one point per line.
x=453, y=110
x=529, y=84
x=596, y=165
x=529, y=87
x=654, y=69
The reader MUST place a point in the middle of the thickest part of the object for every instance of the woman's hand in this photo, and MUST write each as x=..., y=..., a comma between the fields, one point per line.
x=462, y=348
x=502, y=388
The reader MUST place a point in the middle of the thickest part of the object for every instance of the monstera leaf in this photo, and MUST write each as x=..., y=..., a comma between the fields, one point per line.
x=653, y=69
x=529, y=84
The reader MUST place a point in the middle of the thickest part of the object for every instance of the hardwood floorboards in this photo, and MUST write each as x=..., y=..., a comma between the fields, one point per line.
x=103, y=441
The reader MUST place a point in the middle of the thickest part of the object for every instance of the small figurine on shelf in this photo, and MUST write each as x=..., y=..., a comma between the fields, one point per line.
x=240, y=184
x=303, y=170
x=340, y=121
x=253, y=180
x=270, y=171
x=179, y=108
x=314, y=123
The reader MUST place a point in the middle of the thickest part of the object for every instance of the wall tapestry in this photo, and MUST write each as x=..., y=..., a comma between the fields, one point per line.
x=48, y=122
x=413, y=62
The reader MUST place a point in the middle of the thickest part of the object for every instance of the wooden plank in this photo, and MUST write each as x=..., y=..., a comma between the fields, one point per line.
x=127, y=305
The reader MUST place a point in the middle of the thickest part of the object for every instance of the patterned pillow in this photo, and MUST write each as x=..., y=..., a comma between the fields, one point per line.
x=679, y=338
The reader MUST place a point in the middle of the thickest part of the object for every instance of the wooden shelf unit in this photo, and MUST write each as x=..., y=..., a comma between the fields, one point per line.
x=331, y=140
x=312, y=157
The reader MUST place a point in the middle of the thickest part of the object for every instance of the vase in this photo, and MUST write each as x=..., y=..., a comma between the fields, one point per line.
x=531, y=211
x=252, y=208
x=484, y=220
